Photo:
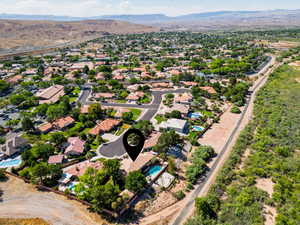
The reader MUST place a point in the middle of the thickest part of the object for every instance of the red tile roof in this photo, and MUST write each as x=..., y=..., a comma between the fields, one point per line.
x=56, y=159
x=63, y=122
x=104, y=126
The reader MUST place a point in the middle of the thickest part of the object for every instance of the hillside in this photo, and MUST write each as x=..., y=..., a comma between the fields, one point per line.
x=21, y=35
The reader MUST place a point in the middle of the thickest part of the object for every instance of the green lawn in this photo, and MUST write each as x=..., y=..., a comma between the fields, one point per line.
x=120, y=101
x=160, y=118
x=122, y=129
x=136, y=113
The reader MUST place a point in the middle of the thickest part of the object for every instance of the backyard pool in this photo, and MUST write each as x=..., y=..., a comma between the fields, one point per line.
x=195, y=115
x=10, y=163
x=153, y=171
x=197, y=128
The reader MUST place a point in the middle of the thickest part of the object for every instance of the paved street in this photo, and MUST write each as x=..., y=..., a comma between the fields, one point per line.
x=116, y=148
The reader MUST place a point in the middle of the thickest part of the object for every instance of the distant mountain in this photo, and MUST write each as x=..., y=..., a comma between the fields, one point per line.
x=5, y=16
x=197, y=21
x=147, y=18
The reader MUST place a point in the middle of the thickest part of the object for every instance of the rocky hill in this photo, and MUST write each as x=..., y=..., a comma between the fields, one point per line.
x=18, y=34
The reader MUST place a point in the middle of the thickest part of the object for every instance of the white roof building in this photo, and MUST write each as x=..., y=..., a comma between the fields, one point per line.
x=175, y=124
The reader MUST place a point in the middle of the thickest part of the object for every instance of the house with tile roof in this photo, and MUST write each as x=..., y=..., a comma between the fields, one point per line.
x=75, y=146
x=105, y=126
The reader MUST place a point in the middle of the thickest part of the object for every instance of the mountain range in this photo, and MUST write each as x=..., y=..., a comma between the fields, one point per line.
x=161, y=18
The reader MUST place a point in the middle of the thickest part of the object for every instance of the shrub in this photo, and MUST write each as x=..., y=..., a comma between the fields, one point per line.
x=235, y=109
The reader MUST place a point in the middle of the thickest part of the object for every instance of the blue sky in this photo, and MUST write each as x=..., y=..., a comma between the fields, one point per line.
x=169, y=7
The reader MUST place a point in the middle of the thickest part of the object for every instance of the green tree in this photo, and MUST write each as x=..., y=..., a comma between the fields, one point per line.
x=135, y=181
x=54, y=112
x=95, y=111
x=27, y=124
x=57, y=138
x=127, y=116
x=203, y=208
x=40, y=171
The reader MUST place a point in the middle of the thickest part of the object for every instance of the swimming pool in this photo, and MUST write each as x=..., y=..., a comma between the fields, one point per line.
x=10, y=163
x=194, y=115
x=153, y=170
x=197, y=128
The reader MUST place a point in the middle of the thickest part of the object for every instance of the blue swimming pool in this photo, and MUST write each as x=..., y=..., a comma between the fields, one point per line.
x=195, y=115
x=197, y=128
x=10, y=163
x=153, y=170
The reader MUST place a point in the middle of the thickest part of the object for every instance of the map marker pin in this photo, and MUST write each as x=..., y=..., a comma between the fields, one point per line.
x=135, y=148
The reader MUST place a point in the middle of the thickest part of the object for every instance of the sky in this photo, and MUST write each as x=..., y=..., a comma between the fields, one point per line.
x=85, y=8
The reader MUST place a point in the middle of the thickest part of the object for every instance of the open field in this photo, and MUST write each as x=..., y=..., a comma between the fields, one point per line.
x=35, y=221
x=20, y=200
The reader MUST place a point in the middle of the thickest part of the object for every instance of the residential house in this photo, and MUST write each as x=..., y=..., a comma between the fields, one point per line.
x=79, y=169
x=178, y=125
x=51, y=94
x=210, y=90
x=104, y=95
x=185, y=98
x=81, y=65
x=63, y=123
x=75, y=147
x=184, y=109
x=56, y=159
x=143, y=160
x=152, y=140
x=45, y=128
x=105, y=126
x=189, y=83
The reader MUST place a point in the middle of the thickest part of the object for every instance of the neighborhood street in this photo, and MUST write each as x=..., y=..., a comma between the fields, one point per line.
x=116, y=148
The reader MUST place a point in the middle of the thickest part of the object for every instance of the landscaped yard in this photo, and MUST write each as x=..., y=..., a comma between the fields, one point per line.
x=122, y=129
x=136, y=113
x=160, y=118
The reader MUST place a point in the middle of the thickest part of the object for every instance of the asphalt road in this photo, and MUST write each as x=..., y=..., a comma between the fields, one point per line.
x=116, y=148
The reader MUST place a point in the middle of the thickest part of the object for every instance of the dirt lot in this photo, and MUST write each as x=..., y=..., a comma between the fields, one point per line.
x=21, y=200
x=34, y=221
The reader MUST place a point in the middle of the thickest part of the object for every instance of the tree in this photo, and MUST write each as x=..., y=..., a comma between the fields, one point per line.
x=95, y=111
x=27, y=124
x=144, y=126
x=40, y=171
x=127, y=116
x=135, y=181
x=86, y=69
x=4, y=86
x=2, y=174
x=57, y=138
x=166, y=140
x=54, y=112
x=42, y=151
x=112, y=168
x=203, y=208
x=235, y=109
x=174, y=114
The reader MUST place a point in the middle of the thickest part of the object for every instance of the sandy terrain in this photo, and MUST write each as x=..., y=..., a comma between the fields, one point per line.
x=265, y=185
x=22, y=200
x=270, y=214
x=284, y=44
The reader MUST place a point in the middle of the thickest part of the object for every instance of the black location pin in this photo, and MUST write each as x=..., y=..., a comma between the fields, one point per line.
x=135, y=145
